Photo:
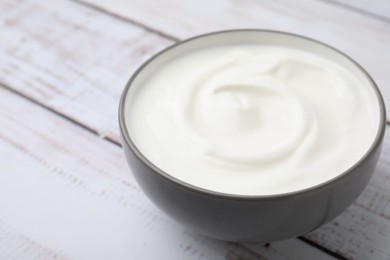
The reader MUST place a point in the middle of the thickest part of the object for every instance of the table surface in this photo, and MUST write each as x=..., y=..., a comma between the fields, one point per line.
x=65, y=189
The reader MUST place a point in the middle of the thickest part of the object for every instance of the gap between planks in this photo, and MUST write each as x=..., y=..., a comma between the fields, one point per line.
x=126, y=19
x=357, y=10
x=322, y=248
x=62, y=115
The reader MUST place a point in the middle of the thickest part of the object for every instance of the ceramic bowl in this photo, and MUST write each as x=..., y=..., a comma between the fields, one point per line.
x=250, y=218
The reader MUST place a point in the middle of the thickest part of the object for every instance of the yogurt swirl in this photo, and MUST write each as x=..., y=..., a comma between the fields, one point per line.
x=253, y=120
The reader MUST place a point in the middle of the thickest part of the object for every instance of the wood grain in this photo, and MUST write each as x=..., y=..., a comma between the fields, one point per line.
x=70, y=58
x=65, y=193
x=365, y=39
x=75, y=187
x=379, y=9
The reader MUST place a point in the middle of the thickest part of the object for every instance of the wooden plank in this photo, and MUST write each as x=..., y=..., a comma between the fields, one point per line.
x=379, y=9
x=365, y=39
x=35, y=60
x=71, y=58
x=65, y=193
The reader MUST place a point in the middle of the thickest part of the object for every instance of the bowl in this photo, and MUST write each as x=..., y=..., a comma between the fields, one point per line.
x=263, y=218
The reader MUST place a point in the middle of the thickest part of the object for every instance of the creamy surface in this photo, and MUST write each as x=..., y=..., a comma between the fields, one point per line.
x=251, y=119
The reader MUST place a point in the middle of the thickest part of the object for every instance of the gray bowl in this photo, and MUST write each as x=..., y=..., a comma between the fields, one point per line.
x=250, y=218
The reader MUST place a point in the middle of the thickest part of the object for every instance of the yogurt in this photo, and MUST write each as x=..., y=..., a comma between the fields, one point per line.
x=251, y=119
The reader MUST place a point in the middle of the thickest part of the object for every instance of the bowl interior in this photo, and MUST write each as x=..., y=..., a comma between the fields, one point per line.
x=250, y=37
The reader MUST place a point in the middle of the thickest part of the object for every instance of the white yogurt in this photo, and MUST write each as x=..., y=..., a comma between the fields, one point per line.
x=251, y=119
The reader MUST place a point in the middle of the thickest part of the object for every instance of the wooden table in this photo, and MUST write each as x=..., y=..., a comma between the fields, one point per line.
x=65, y=189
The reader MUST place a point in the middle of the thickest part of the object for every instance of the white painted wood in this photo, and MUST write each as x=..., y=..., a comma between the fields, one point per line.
x=379, y=8
x=71, y=58
x=67, y=194
x=365, y=39
x=76, y=60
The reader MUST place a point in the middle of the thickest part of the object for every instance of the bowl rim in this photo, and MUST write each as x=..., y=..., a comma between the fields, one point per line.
x=126, y=140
